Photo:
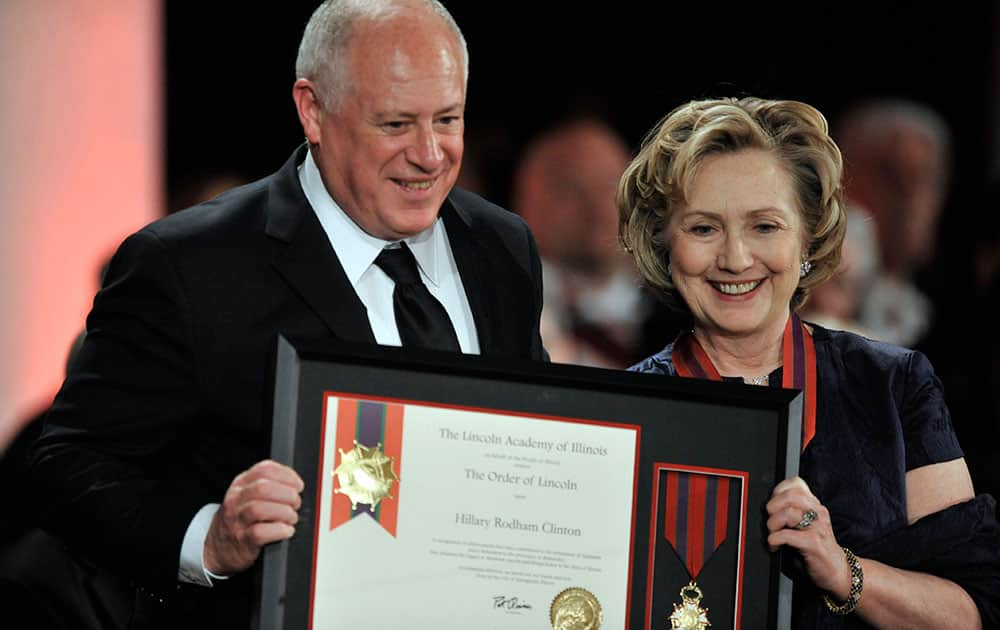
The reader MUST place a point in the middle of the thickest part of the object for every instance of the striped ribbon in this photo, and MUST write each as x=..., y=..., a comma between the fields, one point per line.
x=370, y=423
x=697, y=512
x=798, y=357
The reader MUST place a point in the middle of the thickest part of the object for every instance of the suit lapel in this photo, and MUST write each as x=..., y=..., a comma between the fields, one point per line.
x=308, y=262
x=494, y=281
x=498, y=289
x=472, y=261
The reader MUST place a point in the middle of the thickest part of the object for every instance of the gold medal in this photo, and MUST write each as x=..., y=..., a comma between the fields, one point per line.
x=576, y=609
x=365, y=475
x=688, y=615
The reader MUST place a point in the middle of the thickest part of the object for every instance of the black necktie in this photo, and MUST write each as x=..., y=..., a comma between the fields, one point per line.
x=421, y=319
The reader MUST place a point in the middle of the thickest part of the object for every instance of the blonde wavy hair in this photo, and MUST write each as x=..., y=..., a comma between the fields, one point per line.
x=660, y=177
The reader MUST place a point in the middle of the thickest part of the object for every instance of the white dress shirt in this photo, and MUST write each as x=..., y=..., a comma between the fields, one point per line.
x=357, y=250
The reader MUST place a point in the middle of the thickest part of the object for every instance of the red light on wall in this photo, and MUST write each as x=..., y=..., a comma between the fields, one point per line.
x=80, y=167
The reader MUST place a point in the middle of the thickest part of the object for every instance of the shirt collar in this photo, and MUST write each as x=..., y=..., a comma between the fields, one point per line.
x=357, y=249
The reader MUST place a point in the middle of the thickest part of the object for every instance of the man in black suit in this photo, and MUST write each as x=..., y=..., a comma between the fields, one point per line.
x=153, y=457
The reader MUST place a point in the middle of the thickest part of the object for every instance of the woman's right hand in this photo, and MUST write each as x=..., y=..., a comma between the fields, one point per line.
x=787, y=524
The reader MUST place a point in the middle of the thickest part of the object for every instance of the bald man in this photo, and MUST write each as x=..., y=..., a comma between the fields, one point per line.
x=153, y=457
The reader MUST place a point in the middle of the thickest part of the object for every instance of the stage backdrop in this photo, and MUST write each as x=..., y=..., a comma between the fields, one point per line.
x=80, y=167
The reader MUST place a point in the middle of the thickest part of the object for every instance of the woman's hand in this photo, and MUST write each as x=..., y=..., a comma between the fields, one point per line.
x=789, y=523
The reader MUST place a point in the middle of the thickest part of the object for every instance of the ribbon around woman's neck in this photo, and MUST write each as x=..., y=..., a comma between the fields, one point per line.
x=798, y=359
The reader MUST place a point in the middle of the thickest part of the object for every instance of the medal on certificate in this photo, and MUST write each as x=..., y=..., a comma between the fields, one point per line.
x=575, y=609
x=697, y=513
x=369, y=442
x=365, y=475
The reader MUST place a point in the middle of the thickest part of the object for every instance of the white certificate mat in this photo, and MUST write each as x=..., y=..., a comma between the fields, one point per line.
x=493, y=515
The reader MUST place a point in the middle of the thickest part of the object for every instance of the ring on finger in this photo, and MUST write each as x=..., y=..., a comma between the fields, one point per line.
x=807, y=518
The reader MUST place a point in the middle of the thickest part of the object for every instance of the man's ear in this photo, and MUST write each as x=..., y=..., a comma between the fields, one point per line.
x=309, y=107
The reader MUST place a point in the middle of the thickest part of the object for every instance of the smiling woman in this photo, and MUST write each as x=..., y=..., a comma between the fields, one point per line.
x=736, y=246
x=733, y=211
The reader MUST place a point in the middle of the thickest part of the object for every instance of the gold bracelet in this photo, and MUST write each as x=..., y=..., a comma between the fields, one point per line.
x=857, y=585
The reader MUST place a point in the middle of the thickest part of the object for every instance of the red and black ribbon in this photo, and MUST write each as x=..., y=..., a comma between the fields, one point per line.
x=696, y=516
x=798, y=357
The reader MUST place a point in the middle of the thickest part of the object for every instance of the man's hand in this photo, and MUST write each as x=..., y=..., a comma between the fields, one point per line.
x=260, y=507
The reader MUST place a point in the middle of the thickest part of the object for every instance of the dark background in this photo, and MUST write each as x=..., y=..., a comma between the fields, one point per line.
x=230, y=69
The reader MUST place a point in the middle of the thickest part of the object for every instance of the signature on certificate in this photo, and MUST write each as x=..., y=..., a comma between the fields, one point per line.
x=509, y=603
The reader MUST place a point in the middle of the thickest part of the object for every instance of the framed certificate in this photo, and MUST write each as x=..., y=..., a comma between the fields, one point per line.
x=457, y=492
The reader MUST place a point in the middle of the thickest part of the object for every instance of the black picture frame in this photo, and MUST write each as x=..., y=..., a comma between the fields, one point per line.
x=748, y=434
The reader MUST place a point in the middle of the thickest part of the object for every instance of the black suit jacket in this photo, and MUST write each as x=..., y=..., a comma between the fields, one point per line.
x=168, y=399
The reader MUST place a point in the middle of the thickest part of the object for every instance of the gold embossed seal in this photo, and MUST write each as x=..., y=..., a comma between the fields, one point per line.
x=365, y=474
x=576, y=609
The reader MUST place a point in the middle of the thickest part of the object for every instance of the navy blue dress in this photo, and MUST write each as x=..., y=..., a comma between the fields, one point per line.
x=880, y=413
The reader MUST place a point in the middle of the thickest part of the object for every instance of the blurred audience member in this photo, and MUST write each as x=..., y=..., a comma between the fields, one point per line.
x=836, y=303
x=564, y=187
x=896, y=160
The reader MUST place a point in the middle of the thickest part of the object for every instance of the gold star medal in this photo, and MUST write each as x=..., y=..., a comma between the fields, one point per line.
x=576, y=609
x=688, y=615
x=365, y=475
